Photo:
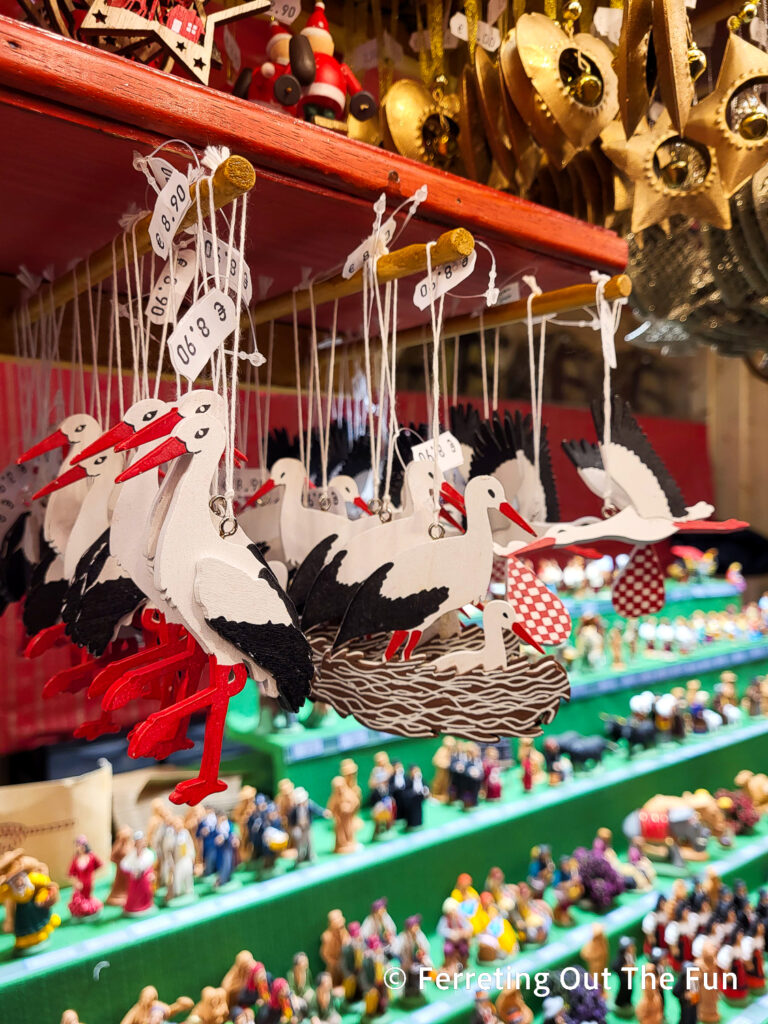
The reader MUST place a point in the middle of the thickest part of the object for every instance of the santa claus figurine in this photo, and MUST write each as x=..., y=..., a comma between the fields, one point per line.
x=274, y=81
x=326, y=96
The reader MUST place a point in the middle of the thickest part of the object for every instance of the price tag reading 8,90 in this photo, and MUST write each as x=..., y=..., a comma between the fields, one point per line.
x=449, y=453
x=285, y=11
x=200, y=331
x=172, y=203
x=165, y=300
x=444, y=277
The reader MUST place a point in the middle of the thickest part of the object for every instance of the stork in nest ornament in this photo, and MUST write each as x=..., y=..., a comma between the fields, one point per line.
x=562, y=83
x=733, y=119
x=672, y=174
x=181, y=30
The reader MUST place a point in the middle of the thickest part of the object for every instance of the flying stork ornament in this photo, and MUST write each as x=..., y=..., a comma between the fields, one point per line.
x=186, y=36
x=226, y=595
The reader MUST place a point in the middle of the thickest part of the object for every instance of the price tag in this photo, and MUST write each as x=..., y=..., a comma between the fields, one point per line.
x=200, y=332
x=607, y=23
x=374, y=245
x=444, y=277
x=509, y=293
x=420, y=40
x=495, y=10
x=163, y=295
x=172, y=203
x=449, y=455
x=487, y=36
x=161, y=170
x=228, y=265
x=285, y=11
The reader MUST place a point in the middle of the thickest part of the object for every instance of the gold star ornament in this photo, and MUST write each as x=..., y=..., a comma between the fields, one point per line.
x=672, y=174
x=733, y=119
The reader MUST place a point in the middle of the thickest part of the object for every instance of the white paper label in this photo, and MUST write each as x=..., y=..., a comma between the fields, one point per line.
x=421, y=40
x=164, y=301
x=444, y=277
x=607, y=23
x=509, y=293
x=161, y=170
x=495, y=10
x=172, y=203
x=487, y=36
x=228, y=265
x=366, y=55
x=285, y=11
x=449, y=455
x=374, y=245
x=201, y=330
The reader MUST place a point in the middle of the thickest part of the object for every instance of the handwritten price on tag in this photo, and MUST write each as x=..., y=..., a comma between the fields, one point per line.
x=444, y=277
x=200, y=332
x=487, y=36
x=172, y=203
x=285, y=11
x=375, y=244
x=449, y=453
x=228, y=265
x=163, y=294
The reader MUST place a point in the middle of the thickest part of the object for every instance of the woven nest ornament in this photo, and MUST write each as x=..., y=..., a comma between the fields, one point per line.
x=562, y=83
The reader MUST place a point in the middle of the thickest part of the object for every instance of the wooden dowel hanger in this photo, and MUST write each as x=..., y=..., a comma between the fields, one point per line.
x=452, y=245
x=232, y=178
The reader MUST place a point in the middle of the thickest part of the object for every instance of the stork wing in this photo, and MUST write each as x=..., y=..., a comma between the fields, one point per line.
x=632, y=462
x=464, y=421
x=252, y=613
x=537, y=497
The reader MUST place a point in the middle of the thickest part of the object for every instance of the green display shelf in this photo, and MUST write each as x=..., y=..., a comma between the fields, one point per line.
x=311, y=756
x=278, y=916
x=681, y=599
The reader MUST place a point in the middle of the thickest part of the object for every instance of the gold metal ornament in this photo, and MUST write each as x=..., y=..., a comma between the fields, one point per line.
x=575, y=86
x=527, y=153
x=632, y=64
x=473, y=145
x=733, y=119
x=423, y=125
x=488, y=86
x=676, y=84
x=672, y=174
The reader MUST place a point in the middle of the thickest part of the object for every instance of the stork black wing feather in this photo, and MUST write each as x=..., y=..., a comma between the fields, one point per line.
x=266, y=574
x=308, y=571
x=370, y=612
x=280, y=445
x=359, y=458
x=86, y=573
x=522, y=432
x=464, y=421
x=15, y=567
x=328, y=599
x=494, y=444
x=583, y=454
x=626, y=431
x=101, y=609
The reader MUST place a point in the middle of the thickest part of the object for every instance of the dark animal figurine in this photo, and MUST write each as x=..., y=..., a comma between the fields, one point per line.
x=583, y=749
x=638, y=732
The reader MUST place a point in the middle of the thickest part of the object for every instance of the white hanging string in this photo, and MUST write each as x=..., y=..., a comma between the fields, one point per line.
x=311, y=382
x=393, y=425
x=427, y=386
x=297, y=361
x=93, y=316
x=329, y=403
x=608, y=317
x=446, y=399
x=229, y=468
x=268, y=398
x=536, y=380
x=142, y=338
x=367, y=308
x=78, y=369
x=115, y=339
x=484, y=369
x=495, y=400
x=131, y=324
x=455, y=389
x=436, y=319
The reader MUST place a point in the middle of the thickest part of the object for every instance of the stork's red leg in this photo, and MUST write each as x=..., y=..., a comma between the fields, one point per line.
x=414, y=639
x=398, y=638
x=45, y=640
x=74, y=678
x=96, y=727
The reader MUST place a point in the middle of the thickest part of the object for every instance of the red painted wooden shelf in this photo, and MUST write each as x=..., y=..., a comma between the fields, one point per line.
x=71, y=116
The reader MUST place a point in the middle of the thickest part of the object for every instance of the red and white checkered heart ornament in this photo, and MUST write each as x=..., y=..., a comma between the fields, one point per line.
x=639, y=587
x=543, y=613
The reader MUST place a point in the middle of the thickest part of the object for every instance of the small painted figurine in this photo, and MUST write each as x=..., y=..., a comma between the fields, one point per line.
x=492, y=774
x=380, y=775
x=235, y=981
x=149, y=1009
x=511, y=1008
x=496, y=939
x=33, y=895
x=372, y=978
x=331, y=944
x=412, y=799
x=206, y=832
x=541, y=869
x=120, y=848
x=155, y=833
x=380, y=923
x=212, y=1008
x=300, y=818
x=624, y=961
x=413, y=953
x=482, y=1012
x=397, y=785
x=568, y=890
x=227, y=842
x=456, y=932
x=322, y=1007
x=139, y=865
x=650, y=1005
x=595, y=953
x=441, y=761
x=241, y=813
x=180, y=851
x=352, y=961
x=708, y=977
x=382, y=802
x=84, y=865
x=348, y=771
x=300, y=983
x=344, y=803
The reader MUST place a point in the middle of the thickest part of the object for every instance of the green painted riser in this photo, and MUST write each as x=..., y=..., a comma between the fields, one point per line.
x=713, y=597
x=196, y=945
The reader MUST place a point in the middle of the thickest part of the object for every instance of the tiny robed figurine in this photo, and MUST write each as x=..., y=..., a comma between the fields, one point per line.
x=84, y=865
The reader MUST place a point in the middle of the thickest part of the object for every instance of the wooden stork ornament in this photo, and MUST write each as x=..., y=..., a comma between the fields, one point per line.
x=225, y=593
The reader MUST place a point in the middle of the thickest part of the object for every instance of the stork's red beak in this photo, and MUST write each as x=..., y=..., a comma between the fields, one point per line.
x=58, y=439
x=526, y=637
x=265, y=488
x=511, y=513
x=172, y=448
x=241, y=459
x=363, y=505
x=157, y=428
x=453, y=497
x=71, y=476
x=109, y=439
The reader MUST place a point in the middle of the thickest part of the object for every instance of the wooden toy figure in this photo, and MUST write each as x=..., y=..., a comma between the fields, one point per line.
x=331, y=943
x=482, y=1012
x=595, y=953
x=241, y=812
x=380, y=923
x=300, y=982
x=441, y=761
x=381, y=772
x=707, y=976
x=344, y=803
x=235, y=981
x=352, y=961
x=622, y=965
x=33, y=895
x=300, y=818
x=149, y=1009
x=397, y=785
x=212, y=1008
x=120, y=849
x=139, y=865
x=82, y=869
x=206, y=833
x=376, y=993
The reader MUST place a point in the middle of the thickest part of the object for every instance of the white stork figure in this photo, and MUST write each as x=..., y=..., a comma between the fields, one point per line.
x=407, y=594
x=497, y=616
x=628, y=475
x=225, y=593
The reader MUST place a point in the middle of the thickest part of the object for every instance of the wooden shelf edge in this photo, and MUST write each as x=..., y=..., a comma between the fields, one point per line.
x=40, y=64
